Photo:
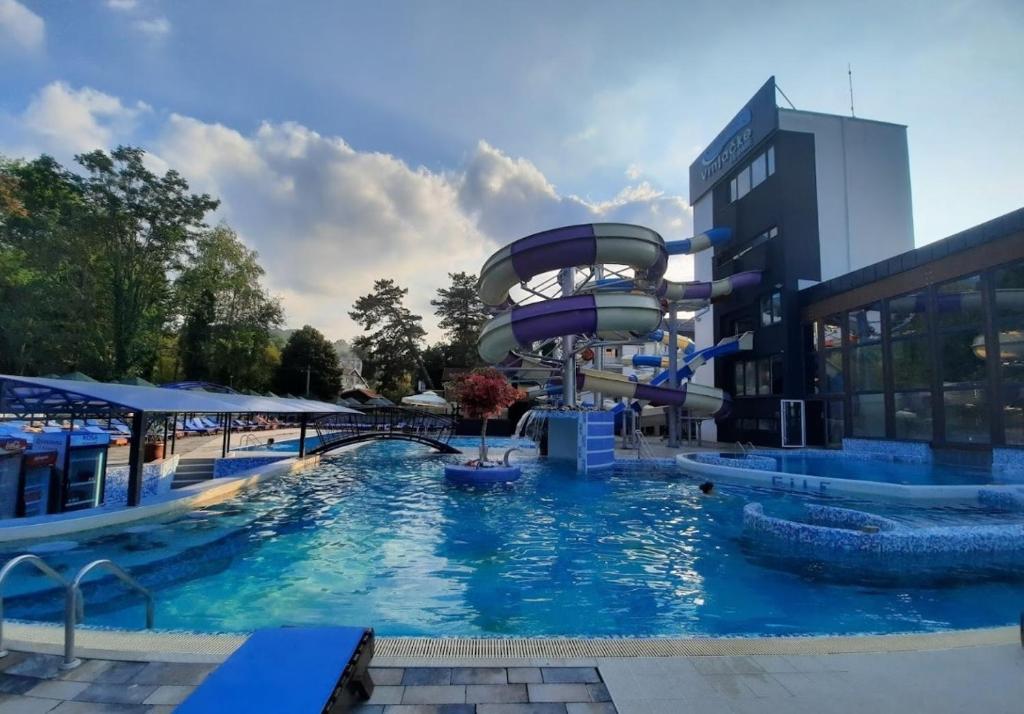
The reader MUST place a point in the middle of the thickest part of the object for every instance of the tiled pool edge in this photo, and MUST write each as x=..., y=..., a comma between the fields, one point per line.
x=704, y=465
x=198, y=495
x=158, y=646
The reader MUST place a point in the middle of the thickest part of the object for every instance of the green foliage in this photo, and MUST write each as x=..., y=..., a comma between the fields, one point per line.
x=144, y=225
x=53, y=319
x=462, y=316
x=308, y=349
x=391, y=347
x=86, y=277
x=226, y=315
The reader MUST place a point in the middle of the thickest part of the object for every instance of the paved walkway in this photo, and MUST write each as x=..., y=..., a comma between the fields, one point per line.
x=987, y=679
x=34, y=684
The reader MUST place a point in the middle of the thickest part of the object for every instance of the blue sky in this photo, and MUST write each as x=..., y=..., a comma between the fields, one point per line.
x=407, y=139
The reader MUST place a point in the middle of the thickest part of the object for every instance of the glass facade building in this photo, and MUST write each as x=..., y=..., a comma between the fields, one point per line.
x=927, y=346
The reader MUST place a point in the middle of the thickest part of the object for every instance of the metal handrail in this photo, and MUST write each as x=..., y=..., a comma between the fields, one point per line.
x=74, y=598
x=10, y=565
x=643, y=449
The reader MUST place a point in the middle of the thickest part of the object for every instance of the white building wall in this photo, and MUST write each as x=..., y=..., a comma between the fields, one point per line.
x=704, y=322
x=863, y=177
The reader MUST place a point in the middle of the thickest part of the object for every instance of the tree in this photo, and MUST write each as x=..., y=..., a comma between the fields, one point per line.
x=143, y=225
x=462, y=315
x=482, y=394
x=391, y=349
x=309, y=352
x=48, y=274
x=226, y=315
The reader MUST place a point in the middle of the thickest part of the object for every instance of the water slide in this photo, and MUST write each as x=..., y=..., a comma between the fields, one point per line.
x=603, y=309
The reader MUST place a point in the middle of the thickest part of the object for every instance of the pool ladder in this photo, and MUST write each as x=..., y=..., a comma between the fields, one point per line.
x=643, y=448
x=74, y=607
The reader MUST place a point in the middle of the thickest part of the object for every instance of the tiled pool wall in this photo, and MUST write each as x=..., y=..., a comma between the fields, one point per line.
x=907, y=451
x=833, y=529
x=646, y=465
x=1008, y=460
x=156, y=481
x=236, y=465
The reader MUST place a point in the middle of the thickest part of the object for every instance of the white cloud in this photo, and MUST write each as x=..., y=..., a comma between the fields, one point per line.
x=123, y=5
x=155, y=27
x=328, y=218
x=65, y=120
x=20, y=27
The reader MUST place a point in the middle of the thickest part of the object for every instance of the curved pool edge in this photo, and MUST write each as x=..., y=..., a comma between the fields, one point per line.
x=195, y=496
x=822, y=486
x=180, y=646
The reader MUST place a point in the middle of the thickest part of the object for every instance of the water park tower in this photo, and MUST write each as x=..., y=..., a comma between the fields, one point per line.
x=809, y=197
x=560, y=296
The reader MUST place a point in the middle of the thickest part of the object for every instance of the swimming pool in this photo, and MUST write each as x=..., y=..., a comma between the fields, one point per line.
x=376, y=536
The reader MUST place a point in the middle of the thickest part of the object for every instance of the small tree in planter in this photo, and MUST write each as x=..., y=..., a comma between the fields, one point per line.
x=482, y=394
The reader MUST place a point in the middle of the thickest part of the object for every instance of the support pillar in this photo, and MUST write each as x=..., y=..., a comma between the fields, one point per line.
x=673, y=376
x=224, y=438
x=302, y=435
x=136, y=456
x=599, y=352
x=567, y=280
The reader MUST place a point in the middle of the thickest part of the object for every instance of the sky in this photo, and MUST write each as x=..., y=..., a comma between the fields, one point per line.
x=354, y=141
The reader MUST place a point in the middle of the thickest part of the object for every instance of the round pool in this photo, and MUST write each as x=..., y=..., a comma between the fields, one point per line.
x=378, y=537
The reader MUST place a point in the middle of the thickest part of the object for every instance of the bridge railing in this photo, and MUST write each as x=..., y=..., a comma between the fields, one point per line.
x=387, y=420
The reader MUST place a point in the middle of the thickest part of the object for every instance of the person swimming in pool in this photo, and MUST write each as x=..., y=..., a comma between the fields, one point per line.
x=707, y=488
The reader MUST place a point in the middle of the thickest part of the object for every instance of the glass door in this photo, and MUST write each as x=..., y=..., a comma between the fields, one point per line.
x=794, y=423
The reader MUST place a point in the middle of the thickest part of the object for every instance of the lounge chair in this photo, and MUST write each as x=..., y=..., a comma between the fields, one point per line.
x=297, y=670
x=210, y=424
x=199, y=427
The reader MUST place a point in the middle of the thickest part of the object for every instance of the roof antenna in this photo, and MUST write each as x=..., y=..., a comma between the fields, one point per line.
x=784, y=96
x=849, y=75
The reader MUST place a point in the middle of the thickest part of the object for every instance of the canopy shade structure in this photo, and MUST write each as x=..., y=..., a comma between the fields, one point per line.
x=425, y=399
x=30, y=396
x=39, y=395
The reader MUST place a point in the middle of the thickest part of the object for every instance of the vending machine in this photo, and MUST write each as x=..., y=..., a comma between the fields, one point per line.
x=10, y=469
x=81, y=467
x=37, y=476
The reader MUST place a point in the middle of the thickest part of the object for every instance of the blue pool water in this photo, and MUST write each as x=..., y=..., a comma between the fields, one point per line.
x=868, y=469
x=377, y=537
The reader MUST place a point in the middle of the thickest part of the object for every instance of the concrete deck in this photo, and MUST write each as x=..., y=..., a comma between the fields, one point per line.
x=983, y=679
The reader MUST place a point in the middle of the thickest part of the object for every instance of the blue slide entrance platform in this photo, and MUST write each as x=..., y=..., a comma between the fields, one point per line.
x=290, y=670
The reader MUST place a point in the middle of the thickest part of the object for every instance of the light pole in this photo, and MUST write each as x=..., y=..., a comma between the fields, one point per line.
x=307, y=380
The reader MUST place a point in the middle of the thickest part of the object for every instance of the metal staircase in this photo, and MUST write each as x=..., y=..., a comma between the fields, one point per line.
x=74, y=603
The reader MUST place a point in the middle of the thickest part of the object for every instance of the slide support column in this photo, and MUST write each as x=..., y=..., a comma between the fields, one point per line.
x=673, y=376
x=567, y=280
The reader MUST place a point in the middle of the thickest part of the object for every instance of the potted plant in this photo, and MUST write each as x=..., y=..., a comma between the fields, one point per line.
x=482, y=394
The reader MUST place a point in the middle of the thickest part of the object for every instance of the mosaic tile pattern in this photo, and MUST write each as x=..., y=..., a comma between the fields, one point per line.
x=1009, y=460
x=742, y=461
x=157, y=477
x=232, y=466
x=835, y=530
x=907, y=451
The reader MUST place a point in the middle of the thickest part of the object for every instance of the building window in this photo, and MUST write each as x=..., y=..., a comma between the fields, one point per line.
x=911, y=363
x=743, y=183
x=834, y=422
x=777, y=370
x=868, y=415
x=966, y=416
x=912, y=416
x=771, y=309
x=1009, y=323
x=758, y=378
x=758, y=171
x=866, y=368
x=752, y=175
x=864, y=325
